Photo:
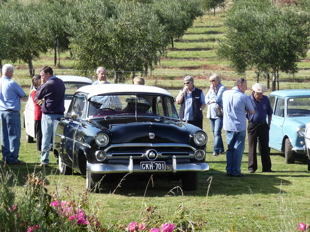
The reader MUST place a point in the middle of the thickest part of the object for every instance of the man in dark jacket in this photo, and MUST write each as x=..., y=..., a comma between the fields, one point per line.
x=192, y=102
x=53, y=94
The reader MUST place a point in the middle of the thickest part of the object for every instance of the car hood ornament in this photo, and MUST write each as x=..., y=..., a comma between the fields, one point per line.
x=151, y=135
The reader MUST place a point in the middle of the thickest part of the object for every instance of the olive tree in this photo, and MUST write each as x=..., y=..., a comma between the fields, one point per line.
x=265, y=37
x=213, y=4
x=117, y=35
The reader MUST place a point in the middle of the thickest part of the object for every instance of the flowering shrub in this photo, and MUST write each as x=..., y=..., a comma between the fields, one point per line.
x=33, y=209
x=135, y=227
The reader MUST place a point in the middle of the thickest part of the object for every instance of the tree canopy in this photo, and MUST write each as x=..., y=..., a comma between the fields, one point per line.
x=266, y=37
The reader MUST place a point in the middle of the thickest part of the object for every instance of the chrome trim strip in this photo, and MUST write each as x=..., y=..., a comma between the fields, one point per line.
x=121, y=168
x=148, y=145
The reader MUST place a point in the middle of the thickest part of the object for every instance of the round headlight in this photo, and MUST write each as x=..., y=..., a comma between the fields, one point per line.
x=200, y=155
x=100, y=156
x=301, y=131
x=200, y=138
x=102, y=139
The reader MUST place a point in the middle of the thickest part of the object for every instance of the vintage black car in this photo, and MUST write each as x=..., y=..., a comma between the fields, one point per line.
x=119, y=128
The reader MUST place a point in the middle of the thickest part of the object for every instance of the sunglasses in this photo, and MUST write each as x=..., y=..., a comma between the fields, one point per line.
x=186, y=83
x=212, y=81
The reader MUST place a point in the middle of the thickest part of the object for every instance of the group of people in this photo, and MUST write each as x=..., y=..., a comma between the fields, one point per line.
x=237, y=108
x=48, y=97
x=49, y=93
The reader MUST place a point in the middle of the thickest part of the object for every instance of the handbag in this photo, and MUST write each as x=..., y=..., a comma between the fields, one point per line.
x=218, y=110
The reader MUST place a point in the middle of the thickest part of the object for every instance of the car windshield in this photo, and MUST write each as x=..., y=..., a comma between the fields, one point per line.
x=297, y=107
x=132, y=104
x=71, y=88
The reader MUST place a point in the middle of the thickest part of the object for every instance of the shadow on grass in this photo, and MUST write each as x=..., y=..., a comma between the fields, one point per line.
x=213, y=182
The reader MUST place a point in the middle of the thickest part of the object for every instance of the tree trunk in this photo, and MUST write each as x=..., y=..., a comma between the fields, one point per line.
x=172, y=43
x=268, y=81
x=30, y=66
x=214, y=11
x=257, y=77
x=58, y=48
x=115, y=77
x=274, y=79
x=55, y=54
x=278, y=82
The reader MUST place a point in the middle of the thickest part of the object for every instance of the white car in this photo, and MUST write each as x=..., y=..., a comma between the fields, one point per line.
x=72, y=83
x=307, y=142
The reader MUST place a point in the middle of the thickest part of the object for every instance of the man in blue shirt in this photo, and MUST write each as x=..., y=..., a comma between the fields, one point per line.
x=258, y=129
x=10, y=95
x=235, y=106
x=101, y=73
x=53, y=107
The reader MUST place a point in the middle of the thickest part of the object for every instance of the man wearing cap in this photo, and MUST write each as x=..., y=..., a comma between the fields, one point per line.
x=192, y=102
x=258, y=129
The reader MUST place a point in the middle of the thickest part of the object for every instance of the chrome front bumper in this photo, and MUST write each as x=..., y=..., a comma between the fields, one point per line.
x=135, y=168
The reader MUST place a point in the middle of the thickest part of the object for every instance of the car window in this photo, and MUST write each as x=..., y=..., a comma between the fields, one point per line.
x=78, y=105
x=279, y=107
x=131, y=104
x=71, y=87
x=298, y=107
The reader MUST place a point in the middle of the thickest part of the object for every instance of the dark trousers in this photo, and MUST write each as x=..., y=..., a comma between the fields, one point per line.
x=38, y=133
x=259, y=133
x=196, y=122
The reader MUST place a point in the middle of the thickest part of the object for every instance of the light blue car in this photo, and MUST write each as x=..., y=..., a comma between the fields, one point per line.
x=291, y=112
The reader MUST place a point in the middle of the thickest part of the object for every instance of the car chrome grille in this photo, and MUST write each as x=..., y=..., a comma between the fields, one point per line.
x=139, y=151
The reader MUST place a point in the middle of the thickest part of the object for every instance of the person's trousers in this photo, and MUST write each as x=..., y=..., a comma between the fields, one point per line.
x=10, y=135
x=47, y=123
x=235, y=142
x=197, y=122
x=259, y=133
x=38, y=133
x=217, y=125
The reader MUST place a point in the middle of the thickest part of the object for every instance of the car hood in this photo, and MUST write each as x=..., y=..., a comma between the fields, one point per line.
x=146, y=130
x=300, y=120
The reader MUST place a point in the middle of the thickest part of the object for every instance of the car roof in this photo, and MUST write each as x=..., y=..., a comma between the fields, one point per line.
x=72, y=78
x=291, y=93
x=94, y=90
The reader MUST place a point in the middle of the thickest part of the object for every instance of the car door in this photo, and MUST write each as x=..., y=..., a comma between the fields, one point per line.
x=75, y=114
x=276, y=126
x=29, y=117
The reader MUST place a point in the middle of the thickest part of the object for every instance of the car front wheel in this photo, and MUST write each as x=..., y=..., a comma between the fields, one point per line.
x=63, y=168
x=189, y=181
x=289, y=154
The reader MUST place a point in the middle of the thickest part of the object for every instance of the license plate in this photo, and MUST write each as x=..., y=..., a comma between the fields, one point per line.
x=153, y=165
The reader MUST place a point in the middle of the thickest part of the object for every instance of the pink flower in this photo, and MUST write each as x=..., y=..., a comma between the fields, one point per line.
x=155, y=230
x=31, y=229
x=302, y=226
x=167, y=227
x=132, y=226
x=142, y=226
x=55, y=203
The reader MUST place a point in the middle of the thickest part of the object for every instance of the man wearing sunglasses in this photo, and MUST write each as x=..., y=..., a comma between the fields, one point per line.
x=192, y=102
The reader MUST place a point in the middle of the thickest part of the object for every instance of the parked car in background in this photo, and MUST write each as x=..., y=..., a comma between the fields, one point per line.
x=291, y=113
x=72, y=83
x=121, y=128
x=307, y=142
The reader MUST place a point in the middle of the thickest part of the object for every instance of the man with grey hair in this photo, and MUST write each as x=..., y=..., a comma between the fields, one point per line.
x=101, y=73
x=10, y=95
x=235, y=106
x=258, y=129
x=192, y=102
